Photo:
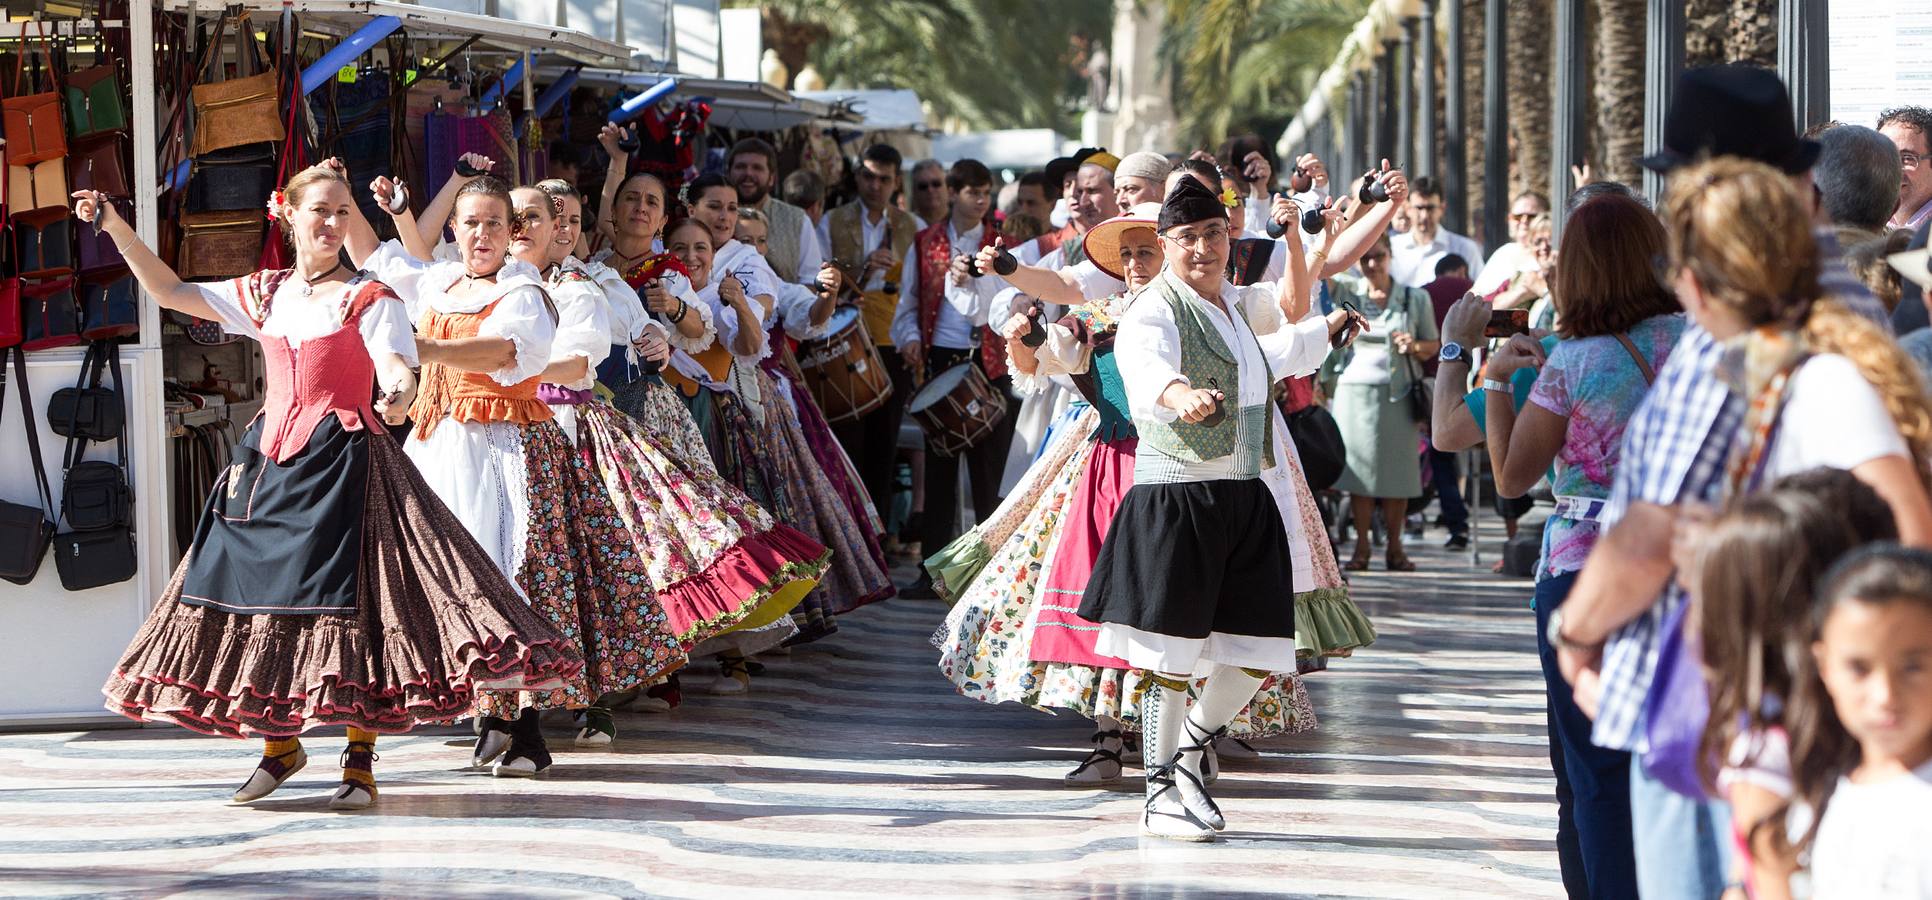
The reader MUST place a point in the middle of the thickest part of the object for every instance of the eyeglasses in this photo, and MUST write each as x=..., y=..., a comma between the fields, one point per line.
x=1374, y=257
x=1522, y=217
x=1909, y=160
x=1191, y=239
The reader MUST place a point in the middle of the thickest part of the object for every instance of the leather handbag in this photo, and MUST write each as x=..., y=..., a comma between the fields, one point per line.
x=33, y=121
x=25, y=531
x=42, y=185
x=99, y=164
x=233, y=179
x=220, y=244
x=43, y=242
x=49, y=316
x=95, y=104
x=9, y=312
x=88, y=410
x=91, y=559
x=109, y=308
x=95, y=249
x=1318, y=440
x=237, y=111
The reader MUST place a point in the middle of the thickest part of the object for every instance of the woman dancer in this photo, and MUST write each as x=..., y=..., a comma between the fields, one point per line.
x=802, y=313
x=326, y=584
x=492, y=448
x=715, y=556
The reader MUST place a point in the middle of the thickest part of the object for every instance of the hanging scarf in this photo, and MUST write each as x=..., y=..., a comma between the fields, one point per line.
x=1758, y=366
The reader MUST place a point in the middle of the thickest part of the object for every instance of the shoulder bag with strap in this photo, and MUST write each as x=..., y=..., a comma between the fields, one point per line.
x=97, y=507
x=238, y=111
x=25, y=531
x=95, y=104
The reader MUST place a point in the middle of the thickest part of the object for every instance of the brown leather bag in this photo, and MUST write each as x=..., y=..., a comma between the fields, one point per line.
x=33, y=122
x=220, y=244
x=42, y=185
x=238, y=111
x=99, y=164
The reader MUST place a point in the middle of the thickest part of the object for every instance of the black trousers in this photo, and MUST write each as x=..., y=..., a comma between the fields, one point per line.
x=985, y=465
x=872, y=440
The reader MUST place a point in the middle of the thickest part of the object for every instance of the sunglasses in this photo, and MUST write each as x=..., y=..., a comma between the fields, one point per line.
x=929, y=185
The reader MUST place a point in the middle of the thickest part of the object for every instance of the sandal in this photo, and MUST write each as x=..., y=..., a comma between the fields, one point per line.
x=1357, y=563
x=354, y=795
x=1399, y=563
x=272, y=772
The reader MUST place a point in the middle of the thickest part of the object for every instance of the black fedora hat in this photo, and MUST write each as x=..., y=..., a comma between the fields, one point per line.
x=1732, y=110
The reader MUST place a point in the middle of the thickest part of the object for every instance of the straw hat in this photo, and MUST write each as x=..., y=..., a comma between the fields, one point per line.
x=1103, y=240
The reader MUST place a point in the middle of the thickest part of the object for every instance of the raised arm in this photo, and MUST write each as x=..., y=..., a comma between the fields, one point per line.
x=429, y=228
x=612, y=136
x=1046, y=284
x=406, y=226
x=156, y=278
x=1367, y=223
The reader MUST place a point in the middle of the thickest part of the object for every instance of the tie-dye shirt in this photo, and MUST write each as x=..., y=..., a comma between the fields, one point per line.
x=1595, y=384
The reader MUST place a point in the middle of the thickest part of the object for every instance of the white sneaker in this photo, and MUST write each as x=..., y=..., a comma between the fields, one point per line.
x=646, y=703
x=352, y=796
x=592, y=739
x=488, y=747
x=727, y=686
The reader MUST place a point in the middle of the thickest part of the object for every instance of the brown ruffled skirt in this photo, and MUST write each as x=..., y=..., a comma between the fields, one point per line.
x=435, y=623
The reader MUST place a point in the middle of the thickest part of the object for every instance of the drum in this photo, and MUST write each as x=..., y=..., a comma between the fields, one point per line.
x=957, y=409
x=842, y=369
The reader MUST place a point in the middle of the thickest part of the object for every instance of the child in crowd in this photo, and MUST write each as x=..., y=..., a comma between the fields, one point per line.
x=1861, y=728
x=1757, y=565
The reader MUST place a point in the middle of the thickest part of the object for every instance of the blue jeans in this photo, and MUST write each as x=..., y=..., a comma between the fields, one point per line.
x=1683, y=845
x=1455, y=515
x=1593, y=785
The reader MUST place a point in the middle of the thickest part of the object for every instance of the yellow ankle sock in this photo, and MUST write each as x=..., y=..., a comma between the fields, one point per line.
x=280, y=746
x=364, y=775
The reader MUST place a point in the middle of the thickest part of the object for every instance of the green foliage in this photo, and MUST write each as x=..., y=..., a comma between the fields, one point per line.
x=1248, y=65
x=990, y=63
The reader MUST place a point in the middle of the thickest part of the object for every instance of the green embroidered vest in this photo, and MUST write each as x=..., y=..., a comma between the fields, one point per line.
x=1208, y=363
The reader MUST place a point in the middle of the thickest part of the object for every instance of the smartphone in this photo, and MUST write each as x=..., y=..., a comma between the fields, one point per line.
x=1507, y=323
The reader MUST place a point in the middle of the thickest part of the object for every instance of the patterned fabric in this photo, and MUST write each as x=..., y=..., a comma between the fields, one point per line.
x=713, y=555
x=935, y=263
x=582, y=570
x=1674, y=450
x=837, y=470
x=660, y=412
x=1593, y=383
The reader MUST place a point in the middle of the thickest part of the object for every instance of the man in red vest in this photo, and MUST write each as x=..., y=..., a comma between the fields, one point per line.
x=942, y=312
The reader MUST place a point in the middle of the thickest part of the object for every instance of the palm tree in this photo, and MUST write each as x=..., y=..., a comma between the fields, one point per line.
x=986, y=63
x=1619, y=88
x=1247, y=65
x=1529, y=59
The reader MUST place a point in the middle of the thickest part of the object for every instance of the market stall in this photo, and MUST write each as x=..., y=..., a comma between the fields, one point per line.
x=242, y=94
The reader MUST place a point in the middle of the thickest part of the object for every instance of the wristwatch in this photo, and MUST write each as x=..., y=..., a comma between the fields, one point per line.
x=1451, y=352
x=1553, y=633
x=1491, y=384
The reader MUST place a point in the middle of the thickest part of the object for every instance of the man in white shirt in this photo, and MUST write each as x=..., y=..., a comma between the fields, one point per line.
x=1414, y=253
x=942, y=307
x=752, y=168
x=1516, y=256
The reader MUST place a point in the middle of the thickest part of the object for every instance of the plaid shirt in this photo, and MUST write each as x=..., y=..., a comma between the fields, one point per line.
x=1674, y=450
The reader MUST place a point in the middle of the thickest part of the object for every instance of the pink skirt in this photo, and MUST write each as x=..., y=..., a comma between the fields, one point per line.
x=1059, y=634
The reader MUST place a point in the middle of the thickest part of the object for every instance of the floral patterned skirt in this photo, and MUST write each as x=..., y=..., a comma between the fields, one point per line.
x=583, y=569
x=715, y=558
x=661, y=412
x=985, y=643
x=837, y=468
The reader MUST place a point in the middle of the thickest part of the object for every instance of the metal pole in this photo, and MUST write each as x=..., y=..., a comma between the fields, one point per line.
x=1495, y=124
x=1568, y=144
x=1663, y=62
x=1454, y=122
x=1385, y=105
x=1425, y=145
x=1405, y=96
x=1804, y=59
x=1353, y=128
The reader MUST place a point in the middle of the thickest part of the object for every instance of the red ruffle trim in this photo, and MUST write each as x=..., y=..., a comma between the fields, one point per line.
x=740, y=580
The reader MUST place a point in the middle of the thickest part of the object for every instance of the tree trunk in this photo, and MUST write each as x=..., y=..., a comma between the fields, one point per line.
x=1753, y=33
x=1706, y=24
x=1531, y=28
x=1619, y=87
x=1473, y=143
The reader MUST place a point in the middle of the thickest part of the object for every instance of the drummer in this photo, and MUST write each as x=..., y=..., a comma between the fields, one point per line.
x=942, y=309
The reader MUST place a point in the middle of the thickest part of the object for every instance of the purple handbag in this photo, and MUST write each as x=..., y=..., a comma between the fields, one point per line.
x=1678, y=710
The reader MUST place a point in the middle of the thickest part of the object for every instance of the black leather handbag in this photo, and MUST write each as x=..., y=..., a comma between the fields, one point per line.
x=25, y=531
x=97, y=507
x=238, y=178
x=88, y=410
x=91, y=559
x=1318, y=440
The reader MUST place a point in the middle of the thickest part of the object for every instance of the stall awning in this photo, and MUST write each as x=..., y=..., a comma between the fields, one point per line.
x=737, y=105
x=879, y=110
x=1018, y=149
x=342, y=17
